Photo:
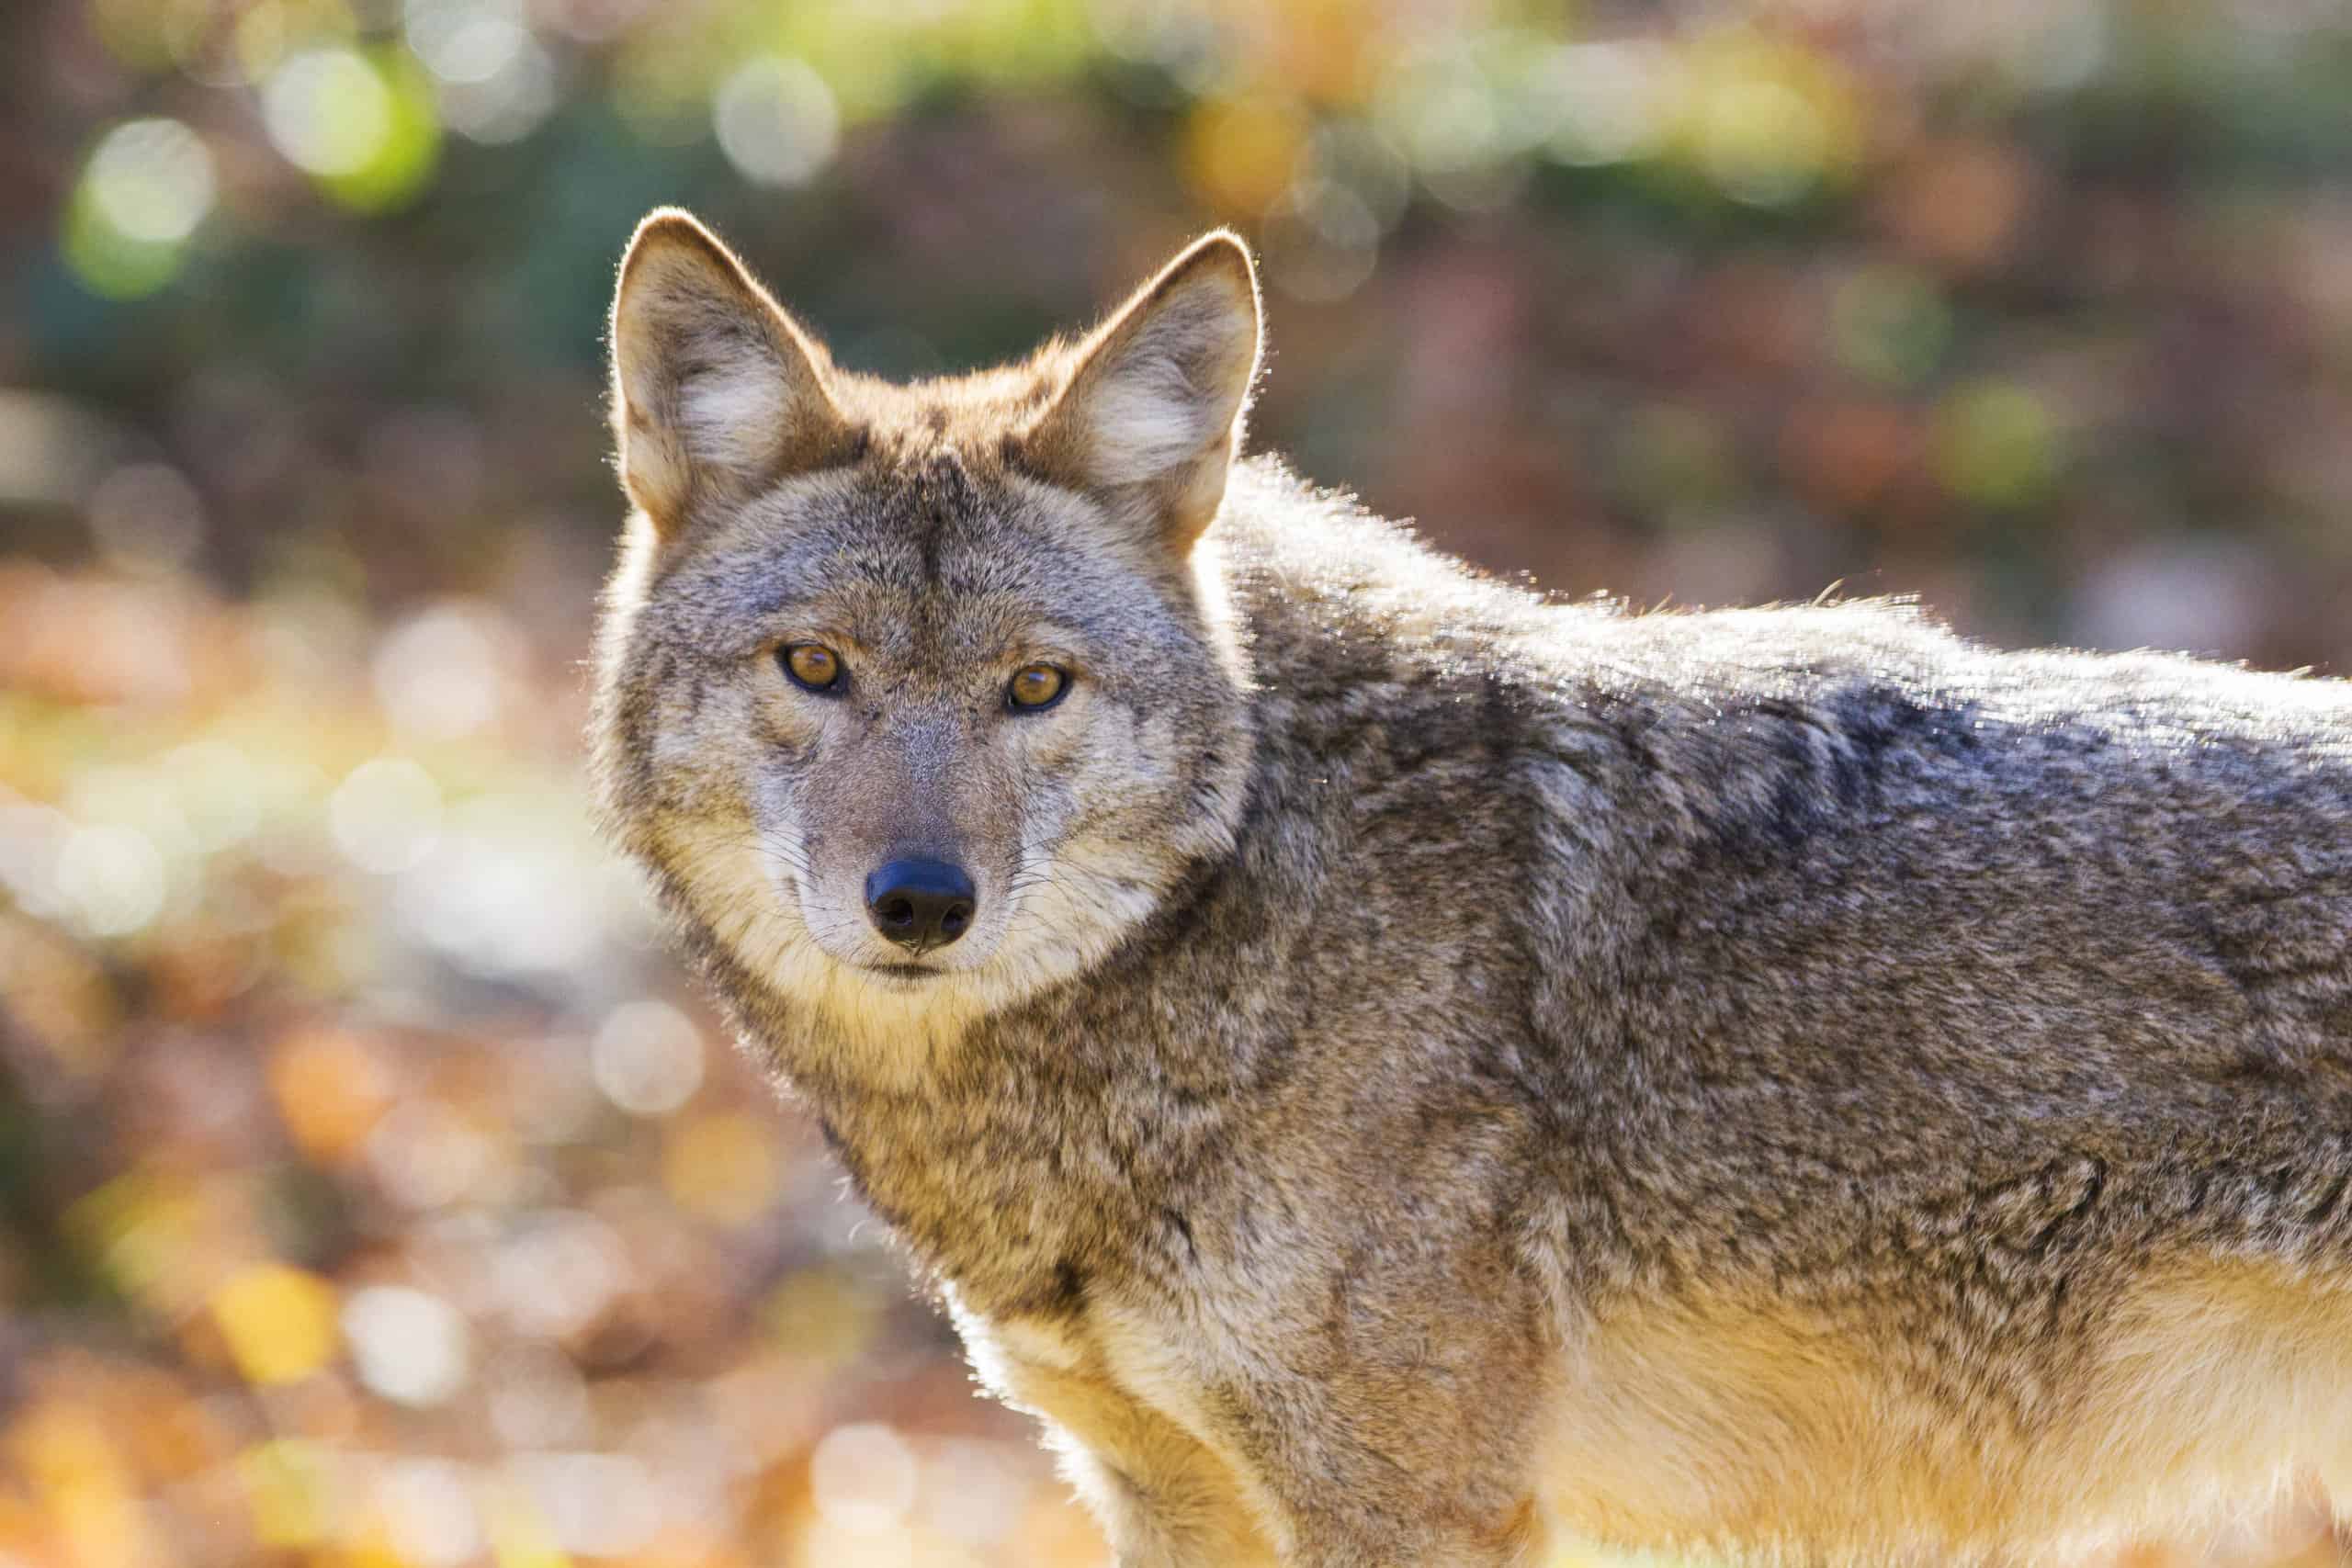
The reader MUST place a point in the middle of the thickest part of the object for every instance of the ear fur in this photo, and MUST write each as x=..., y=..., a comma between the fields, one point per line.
x=715, y=390
x=1150, y=417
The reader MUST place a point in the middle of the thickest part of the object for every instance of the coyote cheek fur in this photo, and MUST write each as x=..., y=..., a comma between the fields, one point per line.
x=1394, y=1070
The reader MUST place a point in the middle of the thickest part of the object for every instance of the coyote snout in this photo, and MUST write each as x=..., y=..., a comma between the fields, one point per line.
x=906, y=807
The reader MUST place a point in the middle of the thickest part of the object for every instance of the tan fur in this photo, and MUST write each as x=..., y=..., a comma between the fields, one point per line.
x=1433, y=1072
x=1167, y=1496
x=1724, y=1424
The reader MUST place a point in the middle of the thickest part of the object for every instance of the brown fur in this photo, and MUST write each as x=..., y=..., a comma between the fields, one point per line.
x=1434, y=1069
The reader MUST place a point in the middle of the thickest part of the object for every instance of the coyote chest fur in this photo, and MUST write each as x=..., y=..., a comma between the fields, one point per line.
x=1392, y=1070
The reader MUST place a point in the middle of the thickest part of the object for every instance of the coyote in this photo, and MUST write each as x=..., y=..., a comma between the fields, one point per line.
x=1393, y=1070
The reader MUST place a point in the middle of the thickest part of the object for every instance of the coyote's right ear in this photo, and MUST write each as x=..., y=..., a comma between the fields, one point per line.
x=715, y=390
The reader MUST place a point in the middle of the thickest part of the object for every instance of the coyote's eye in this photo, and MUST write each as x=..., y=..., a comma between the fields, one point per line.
x=1034, y=687
x=812, y=666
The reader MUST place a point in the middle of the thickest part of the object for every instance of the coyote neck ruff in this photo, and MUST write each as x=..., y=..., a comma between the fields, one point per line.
x=1390, y=1068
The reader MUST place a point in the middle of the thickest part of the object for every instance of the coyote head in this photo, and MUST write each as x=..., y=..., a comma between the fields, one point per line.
x=917, y=699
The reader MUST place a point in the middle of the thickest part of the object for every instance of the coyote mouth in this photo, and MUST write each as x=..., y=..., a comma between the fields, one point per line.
x=903, y=972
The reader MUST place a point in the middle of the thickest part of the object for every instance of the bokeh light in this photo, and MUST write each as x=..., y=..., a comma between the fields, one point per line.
x=280, y=1322
x=363, y=125
x=428, y=1507
x=152, y=181
x=1769, y=122
x=148, y=184
x=1611, y=100
x=1996, y=445
x=147, y=517
x=386, y=815
x=862, y=1477
x=465, y=41
x=408, y=1344
x=110, y=878
x=329, y=111
x=445, y=671
x=776, y=120
x=647, y=1057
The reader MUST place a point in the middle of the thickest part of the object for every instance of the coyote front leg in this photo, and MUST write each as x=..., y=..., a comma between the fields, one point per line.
x=1345, y=1458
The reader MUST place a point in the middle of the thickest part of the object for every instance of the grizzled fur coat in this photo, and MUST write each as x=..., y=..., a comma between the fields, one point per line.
x=1394, y=1070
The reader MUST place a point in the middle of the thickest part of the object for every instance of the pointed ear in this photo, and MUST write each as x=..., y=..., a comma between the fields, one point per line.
x=716, y=392
x=1150, y=416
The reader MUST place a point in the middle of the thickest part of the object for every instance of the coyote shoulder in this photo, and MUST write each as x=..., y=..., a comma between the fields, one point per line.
x=1392, y=1070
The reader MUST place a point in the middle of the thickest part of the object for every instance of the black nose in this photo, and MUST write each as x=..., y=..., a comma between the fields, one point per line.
x=919, y=903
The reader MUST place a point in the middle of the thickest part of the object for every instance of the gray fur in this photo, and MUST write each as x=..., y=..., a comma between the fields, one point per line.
x=1527, y=991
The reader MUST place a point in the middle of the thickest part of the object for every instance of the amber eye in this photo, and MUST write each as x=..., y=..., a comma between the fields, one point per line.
x=813, y=666
x=1035, y=686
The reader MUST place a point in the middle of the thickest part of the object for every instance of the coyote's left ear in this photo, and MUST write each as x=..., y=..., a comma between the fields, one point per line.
x=715, y=390
x=1150, y=416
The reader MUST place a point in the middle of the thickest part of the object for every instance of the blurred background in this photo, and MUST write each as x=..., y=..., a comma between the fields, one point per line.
x=372, y=1190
